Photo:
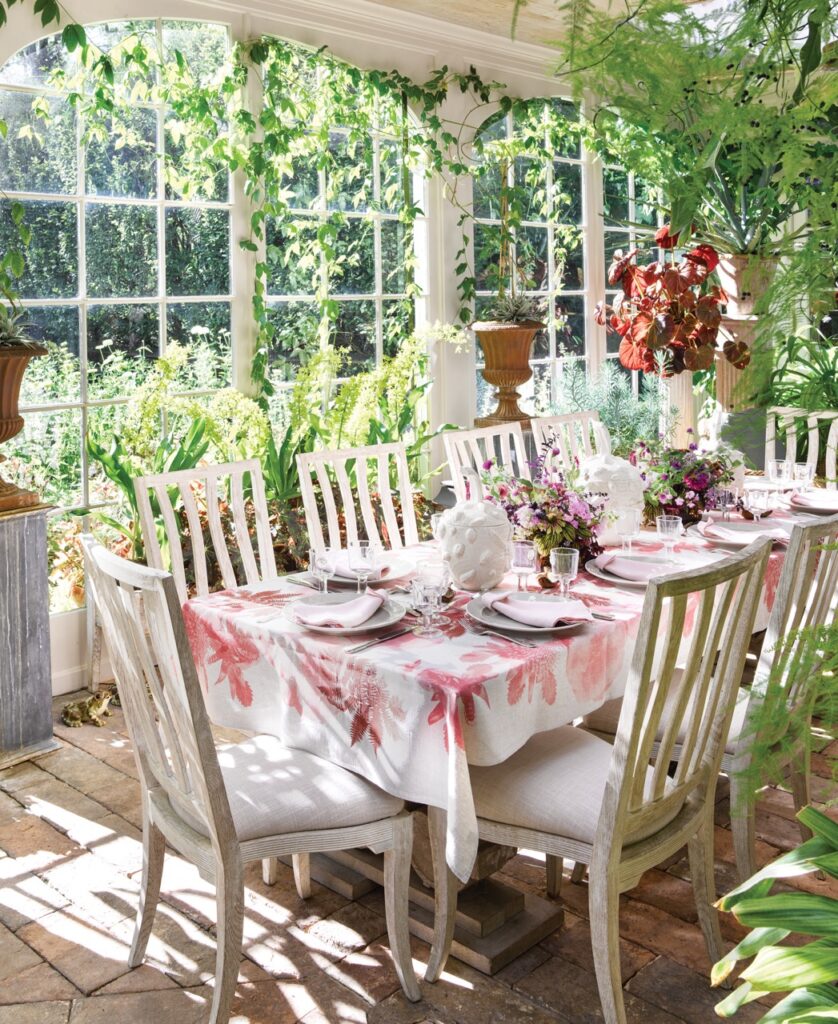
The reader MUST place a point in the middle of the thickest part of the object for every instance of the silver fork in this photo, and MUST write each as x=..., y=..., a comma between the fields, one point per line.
x=480, y=631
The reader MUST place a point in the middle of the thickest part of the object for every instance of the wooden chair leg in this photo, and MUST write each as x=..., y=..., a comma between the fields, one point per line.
x=270, y=871
x=604, y=910
x=154, y=852
x=742, y=813
x=703, y=875
x=555, y=869
x=301, y=863
x=229, y=899
x=578, y=873
x=445, y=896
x=396, y=885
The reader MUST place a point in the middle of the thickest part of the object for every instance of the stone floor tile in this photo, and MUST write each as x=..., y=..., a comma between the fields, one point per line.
x=21, y=776
x=369, y=973
x=522, y=966
x=571, y=993
x=24, y=897
x=667, y=892
x=683, y=992
x=35, y=1013
x=346, y=931
x=144, y=978
x=281, y=904
x=284, y=1001
x=723, y=848
x=573, y=943
x=15, y=955
x=40, y=983
x=97, y=890
x=30, y=838
x=777, y=831
x=81, y=770
x=89, y=954
x=664, y=934
x=174, y=1006
x=61, y=805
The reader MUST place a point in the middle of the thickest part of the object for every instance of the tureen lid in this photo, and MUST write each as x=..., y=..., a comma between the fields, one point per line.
x=476, y=510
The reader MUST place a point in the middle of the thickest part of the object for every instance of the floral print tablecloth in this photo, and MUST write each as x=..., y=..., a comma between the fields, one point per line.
x=413, y=713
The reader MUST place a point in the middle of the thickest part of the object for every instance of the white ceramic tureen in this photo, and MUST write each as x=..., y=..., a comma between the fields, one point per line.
x=475, y=539
x=622, y=485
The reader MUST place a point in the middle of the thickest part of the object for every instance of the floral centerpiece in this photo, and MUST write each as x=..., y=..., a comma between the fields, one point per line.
x=550, y=510
x=681, y=481
x=667, y=316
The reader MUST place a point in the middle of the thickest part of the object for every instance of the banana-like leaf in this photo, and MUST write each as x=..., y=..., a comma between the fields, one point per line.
x=818, y=823
x=816, y=997
x=781, y=969
x=739, y=997
x=804, y=912
x=799, y=861
x=748, y=947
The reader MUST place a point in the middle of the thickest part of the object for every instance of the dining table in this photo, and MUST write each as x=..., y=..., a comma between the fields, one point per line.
x=412, y=713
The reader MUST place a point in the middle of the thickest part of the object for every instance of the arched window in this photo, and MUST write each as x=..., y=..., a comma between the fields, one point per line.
x=530, y=159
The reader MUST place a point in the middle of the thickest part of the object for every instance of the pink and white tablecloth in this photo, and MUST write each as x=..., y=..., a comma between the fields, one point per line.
x=413, y=713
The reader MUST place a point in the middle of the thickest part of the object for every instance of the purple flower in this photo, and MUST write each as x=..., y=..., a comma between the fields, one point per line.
x=679, y=501
x=664, y=476
x=690, y=430
x=487, y=465
x=693, y=447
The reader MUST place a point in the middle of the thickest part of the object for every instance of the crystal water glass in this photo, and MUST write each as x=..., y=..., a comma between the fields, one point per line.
x=779, y=472
x=523, y=560
x=669, y=530
x=427, y=588
x=804, y=476
x=628, y=527
x=758, y=502
x=322, y=563
x=436, y=519
x=364, y=559
x=564, y=567
x=725, y=501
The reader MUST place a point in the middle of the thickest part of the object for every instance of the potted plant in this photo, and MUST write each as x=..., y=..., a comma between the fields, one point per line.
x=16, y=350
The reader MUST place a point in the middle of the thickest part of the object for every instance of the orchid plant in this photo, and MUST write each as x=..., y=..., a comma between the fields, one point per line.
x=550, y=510
x=667, y=316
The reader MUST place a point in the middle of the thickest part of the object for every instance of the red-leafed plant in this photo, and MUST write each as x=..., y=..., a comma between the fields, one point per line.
x=667, y=316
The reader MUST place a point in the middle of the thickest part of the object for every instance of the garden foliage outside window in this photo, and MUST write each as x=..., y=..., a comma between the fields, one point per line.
x=535, y=148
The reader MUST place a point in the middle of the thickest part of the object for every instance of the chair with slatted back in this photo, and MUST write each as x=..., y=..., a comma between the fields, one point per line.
x=221, y=808
x=785, y=420
x=570, y=794
x=503, y=443
x=355, y=487
x=570, y=437
x=210, y=489
x=806, y=598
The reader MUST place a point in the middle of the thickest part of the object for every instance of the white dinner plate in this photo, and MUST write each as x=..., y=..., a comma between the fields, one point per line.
x=388, y=614
x=818, y=510
x=477, y=610
x=749, y=530
x=397, y=568
x=610, y=577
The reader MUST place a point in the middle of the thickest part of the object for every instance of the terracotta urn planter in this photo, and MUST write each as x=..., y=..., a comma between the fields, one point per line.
x=13, y=362
x=507, y=348
x=744, y=277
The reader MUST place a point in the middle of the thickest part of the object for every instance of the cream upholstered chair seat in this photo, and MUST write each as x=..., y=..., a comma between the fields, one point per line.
x=605, y=719
x=274, y=789
x=555, y=783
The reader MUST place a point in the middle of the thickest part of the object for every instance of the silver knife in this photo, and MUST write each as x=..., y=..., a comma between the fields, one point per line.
x=377, y=640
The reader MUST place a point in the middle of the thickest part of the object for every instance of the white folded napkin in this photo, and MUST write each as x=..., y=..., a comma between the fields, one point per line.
x=629, y=568
x=541, y=614
x=816, y=498
x=344, y=615
x=743, y=532
x=342, y=568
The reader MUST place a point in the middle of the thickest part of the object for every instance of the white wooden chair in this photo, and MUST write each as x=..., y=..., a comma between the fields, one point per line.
x=243, y=802
x=373, y=469
x=570, y=794
x=573, y=436
x=807, y=596
x=785, y=419
x=472, y=448
x=213, y=487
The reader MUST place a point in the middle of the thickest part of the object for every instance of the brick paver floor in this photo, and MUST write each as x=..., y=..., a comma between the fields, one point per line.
x=69, y=867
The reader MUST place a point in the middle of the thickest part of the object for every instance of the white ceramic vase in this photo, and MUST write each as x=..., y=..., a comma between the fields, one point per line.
x=622, y=485
x=475, y=538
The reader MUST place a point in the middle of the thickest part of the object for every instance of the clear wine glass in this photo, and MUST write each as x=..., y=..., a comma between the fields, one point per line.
x=364, y=559
x=779, y=472
x=628, y=527
x=321, y=564
x=725, y=501
x=427, y=588
x=564, y=567
x=436, y=519
x=523, y=560
x=804, y=476
x=669, y=530
x=758, y=502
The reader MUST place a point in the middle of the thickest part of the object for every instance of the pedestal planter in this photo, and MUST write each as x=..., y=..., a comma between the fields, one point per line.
x=682, y=397
x=13, y=362
x=744, y=278
x=507, y=348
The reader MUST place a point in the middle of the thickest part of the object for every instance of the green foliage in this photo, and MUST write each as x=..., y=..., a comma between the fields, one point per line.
x=513, y=309
x=628, y=418
x=13, y=330
x=807, y=972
